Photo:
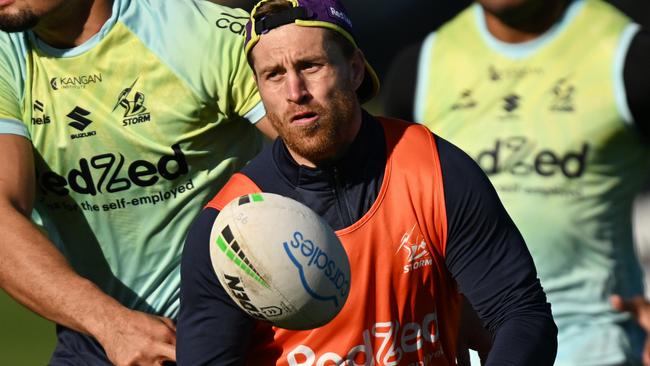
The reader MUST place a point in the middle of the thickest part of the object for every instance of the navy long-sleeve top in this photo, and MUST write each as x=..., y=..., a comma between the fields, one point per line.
x=485, y=253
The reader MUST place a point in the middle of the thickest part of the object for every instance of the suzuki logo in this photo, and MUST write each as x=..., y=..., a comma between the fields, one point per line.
x=511, y=102
x=80, y=122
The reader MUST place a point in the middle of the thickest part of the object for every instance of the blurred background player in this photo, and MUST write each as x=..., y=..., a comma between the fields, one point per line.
x=117, y=130
x=417, y=217
x=552, y=99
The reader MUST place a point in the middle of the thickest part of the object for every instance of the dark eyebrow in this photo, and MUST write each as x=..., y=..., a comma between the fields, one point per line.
x=313, y=59
x=272, y=68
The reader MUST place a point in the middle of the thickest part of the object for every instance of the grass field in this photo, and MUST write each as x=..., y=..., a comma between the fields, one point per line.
x=25, y=338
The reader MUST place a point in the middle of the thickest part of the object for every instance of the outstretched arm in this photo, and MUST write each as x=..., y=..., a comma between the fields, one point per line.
x=35, y=273
x=212, y=330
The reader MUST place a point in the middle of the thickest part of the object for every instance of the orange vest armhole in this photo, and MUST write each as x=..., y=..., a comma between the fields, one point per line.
x=414, y=140
x=440, y=206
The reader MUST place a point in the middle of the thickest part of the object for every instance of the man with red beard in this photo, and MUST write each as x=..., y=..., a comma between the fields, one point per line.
x=382, y=184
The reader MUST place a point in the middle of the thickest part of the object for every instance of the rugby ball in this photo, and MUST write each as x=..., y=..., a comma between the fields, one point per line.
x=279, y=261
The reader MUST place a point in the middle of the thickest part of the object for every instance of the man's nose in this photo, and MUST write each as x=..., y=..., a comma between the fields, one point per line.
x=296, y=88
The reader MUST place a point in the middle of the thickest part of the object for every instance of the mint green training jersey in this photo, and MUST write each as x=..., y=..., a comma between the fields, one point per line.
x=133, y=132
x=548, y=121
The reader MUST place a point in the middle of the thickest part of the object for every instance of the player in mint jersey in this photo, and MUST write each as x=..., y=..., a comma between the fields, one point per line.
x=119, y=120
x=552, y=99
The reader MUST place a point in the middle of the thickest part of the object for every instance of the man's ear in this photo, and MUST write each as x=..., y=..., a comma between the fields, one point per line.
x=358, y=68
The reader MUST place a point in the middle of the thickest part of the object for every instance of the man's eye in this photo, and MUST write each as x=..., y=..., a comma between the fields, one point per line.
x=310, y=66
x=272, y=75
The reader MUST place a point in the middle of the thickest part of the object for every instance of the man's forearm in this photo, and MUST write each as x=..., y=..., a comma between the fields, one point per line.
x=36, y=274
x=532, y=333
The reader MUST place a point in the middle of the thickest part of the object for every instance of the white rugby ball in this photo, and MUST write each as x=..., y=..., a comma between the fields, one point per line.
x=279, y=261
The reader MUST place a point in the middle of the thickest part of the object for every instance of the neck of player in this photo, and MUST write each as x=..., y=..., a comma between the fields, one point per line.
x=73, y=23
x=525, y=23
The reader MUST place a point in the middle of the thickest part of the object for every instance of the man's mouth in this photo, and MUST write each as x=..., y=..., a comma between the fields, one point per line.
x=304, y=118
x=4, y=3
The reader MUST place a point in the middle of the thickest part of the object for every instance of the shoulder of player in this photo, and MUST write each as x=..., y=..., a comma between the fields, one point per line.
x=13, y=71
x=463, y=179
x=13, y=49
x=231, y=20
x=194, y=20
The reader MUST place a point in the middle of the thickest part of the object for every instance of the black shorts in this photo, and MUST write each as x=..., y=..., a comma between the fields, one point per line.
x=74, y=348
x=77, y=349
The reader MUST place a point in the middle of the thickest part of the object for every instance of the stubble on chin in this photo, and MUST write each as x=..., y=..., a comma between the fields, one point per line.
x=19, y=21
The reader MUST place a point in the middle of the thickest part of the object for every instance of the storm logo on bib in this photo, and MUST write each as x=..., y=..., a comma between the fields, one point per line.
x=132, y=102
x=415, y=247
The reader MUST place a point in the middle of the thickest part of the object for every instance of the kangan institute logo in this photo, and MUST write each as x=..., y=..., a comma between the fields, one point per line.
x=132, y=102
x=233, y=23
x=415, y=247
x=497, y=74
x=75, y=82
